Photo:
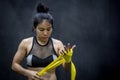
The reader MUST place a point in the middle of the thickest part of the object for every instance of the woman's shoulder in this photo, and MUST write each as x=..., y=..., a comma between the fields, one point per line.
x=27, y=40
x=56, y=40
x=58, y=45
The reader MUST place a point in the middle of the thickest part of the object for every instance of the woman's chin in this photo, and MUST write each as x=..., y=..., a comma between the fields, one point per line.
x=44, y=39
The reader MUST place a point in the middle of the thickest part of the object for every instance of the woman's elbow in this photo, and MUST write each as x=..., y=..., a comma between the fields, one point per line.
x=13, y=67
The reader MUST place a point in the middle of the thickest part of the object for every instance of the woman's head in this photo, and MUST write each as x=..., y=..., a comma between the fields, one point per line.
x=43, y=23
x=42, y=14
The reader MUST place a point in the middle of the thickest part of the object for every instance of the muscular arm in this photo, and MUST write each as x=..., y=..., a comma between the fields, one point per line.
x=18, y=58
x=66, y=66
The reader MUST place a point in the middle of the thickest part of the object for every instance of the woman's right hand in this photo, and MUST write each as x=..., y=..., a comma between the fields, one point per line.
x=32, y=75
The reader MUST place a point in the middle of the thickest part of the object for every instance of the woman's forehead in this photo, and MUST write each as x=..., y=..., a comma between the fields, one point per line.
x=44, y=24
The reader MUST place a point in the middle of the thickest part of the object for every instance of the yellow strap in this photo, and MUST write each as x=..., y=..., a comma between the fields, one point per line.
x=57, y=62
x=73, y=71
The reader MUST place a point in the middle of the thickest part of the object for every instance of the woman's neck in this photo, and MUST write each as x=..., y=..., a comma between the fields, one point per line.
x=41, y=42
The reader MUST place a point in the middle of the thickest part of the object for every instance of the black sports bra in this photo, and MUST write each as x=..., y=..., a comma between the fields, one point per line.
x=41, y=55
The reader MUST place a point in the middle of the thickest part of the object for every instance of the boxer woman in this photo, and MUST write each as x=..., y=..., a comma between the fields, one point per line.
x=39, y=50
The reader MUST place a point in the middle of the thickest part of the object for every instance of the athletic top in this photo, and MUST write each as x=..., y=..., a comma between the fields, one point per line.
x=41, y=55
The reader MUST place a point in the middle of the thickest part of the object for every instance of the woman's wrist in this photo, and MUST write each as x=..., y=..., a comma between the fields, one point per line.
x=26, y=72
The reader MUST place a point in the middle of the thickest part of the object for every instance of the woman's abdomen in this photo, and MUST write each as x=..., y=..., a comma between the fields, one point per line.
x=50, y=75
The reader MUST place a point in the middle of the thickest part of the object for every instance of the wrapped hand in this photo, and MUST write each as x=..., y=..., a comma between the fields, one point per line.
x=68, y=52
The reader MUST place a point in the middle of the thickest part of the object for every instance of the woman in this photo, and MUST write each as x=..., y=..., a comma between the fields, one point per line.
x=39, y=50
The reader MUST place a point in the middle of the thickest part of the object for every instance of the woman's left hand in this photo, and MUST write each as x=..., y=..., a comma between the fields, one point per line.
x=68, y=52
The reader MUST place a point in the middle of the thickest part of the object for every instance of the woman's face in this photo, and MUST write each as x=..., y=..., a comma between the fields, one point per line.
x=43, y=30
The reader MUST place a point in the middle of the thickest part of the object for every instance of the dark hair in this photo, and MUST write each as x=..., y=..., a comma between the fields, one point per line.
x=42, y=13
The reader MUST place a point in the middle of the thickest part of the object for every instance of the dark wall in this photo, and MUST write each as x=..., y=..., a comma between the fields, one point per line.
x=93, y=25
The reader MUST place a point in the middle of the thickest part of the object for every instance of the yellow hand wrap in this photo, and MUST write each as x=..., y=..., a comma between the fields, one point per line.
x=68, y=55
x=57, y=62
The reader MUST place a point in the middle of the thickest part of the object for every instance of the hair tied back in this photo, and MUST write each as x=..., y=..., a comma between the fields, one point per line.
x=42, y=9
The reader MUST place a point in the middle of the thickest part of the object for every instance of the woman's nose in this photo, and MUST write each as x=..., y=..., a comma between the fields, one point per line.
x=45, y=32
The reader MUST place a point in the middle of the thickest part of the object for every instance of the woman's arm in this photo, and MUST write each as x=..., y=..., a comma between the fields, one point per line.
x=62, y=50
x=18, y=58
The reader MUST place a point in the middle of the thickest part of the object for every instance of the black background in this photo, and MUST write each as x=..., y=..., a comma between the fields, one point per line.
x=93, y=25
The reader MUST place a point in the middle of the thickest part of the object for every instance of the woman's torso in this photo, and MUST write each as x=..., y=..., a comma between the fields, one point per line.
x=42, y=56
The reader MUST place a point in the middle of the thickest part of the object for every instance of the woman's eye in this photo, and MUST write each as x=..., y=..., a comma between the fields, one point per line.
x=48, y=29
x=41, y=29
x=45, y=29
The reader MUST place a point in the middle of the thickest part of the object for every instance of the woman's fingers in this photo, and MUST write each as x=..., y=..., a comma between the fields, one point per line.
x=37, y=77
x=67, y=48
x=73, y=46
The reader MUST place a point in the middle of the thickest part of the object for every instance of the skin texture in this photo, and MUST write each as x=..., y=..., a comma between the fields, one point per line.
x=43, y=32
